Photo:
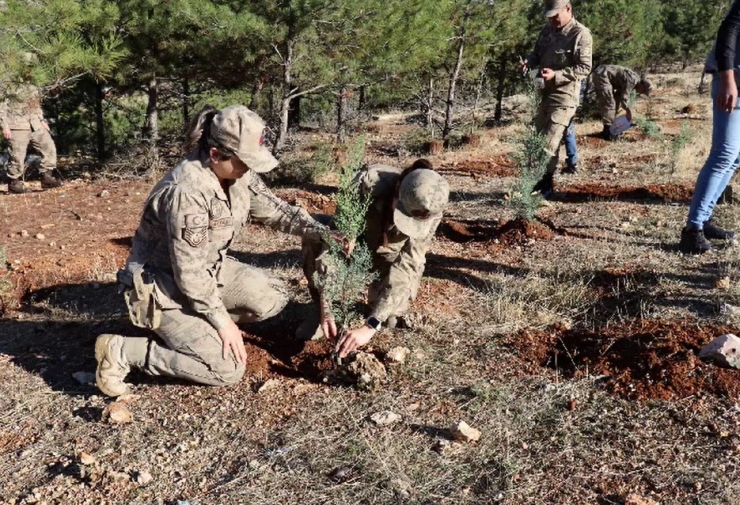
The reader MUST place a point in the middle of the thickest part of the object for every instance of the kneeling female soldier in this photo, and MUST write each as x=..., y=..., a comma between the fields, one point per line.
x=180, y=283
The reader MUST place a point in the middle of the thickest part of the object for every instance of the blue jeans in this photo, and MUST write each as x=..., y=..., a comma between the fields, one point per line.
x=720, y=165
x=571, y=151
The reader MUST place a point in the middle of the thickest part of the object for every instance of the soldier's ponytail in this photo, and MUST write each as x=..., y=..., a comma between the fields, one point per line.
x=199, y=129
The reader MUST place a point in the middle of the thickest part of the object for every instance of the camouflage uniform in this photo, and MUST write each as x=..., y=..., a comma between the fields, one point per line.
x=400, y=262
x=613, y=85
x=567, y=51
x=20, y=111
x=180, y=282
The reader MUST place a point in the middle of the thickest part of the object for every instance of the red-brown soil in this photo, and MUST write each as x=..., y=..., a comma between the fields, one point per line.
x=499, y=166
x=288, y=358
x=642, y=360
x=669, y=193
x=515, y=232
x=312, y=202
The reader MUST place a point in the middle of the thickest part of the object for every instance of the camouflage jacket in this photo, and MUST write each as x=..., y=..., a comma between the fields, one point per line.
x=20, y=108
x=568, y=52
x=187, y=227
x=623, y=81
x=403, y=257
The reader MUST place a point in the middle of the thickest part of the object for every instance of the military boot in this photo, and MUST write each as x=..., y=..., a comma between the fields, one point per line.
x=693, y=241
x=48, y=181
x=606, y=134
x=711, y=230
x=115, y=356
x=16, y=186
x=545, y=187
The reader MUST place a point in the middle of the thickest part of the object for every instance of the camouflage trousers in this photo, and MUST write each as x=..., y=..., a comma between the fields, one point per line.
x=41, y=141
x=551, y=122
x=190, y=347
x=605, y=97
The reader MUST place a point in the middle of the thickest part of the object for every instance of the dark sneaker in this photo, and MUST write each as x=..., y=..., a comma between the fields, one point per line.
x=693, y=241
x=711, y=230
x=545, y=187
x=16, y=186
x=48, y=181
x=606, y=134
x=571, y=169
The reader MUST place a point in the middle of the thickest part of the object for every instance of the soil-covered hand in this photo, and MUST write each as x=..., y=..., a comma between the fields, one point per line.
x=328, y=325
x=233, y=340
x=7, y=134
x=727, y=96
x=354, y=339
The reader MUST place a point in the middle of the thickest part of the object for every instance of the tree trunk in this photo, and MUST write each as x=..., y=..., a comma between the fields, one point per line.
x=152, y=127
x=185, y=101
x=287, y=98
x=361, y=101
x=478, y=93
x=99, y=124
x=449, y=110
x=341, y=106
x=294, y=115
x=702, y=85
x=500, y=87
x=430, y=106
x=256, y=89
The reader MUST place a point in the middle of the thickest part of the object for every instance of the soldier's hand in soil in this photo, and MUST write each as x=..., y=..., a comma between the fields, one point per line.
x=233, y=340
x=7, y=134
x=328, y=325
x=353, y=340
x=547, y=74
x=727, y=96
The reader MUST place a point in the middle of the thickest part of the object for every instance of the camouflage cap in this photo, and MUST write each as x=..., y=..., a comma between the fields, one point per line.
x=239, y=130
x=423, y=196
x=552, y=7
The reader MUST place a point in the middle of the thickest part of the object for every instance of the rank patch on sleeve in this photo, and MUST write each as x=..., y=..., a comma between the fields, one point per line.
x=195, y=232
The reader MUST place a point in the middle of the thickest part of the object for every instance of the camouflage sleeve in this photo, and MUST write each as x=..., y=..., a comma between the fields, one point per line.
x=582, y=61
x=629, y=81
x=187, y=230
x=533, y=60
x=404, y=277
x=268, y=209
x=3, y=106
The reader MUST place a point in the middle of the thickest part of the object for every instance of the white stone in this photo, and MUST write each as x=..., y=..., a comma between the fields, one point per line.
x=268, y=384
x=398, y=354
x=462, y=432
x=723, y=350
x=385, y=418
x=144, y=478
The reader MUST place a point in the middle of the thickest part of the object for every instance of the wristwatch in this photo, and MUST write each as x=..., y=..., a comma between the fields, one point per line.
x=374, y=323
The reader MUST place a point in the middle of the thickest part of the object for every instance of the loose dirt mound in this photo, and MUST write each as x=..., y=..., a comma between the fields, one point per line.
x=646, y=360
x=514, y=232
x=289, y=358
x=499, y=166
x=312, y=202
x=668, y=193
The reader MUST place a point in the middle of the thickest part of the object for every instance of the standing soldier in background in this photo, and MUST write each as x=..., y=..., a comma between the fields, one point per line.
x=563, y=55
x=613, y=85
x=23, y=123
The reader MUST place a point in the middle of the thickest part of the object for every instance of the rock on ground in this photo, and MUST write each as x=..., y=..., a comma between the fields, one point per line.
x=366, y=369
x=636, y=499
x=385, y=418
x=398, y=354
x=723, y=350
x=117, y=413
x=464, y=433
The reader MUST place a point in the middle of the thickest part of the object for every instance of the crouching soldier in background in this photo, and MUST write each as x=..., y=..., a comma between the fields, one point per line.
x=23, y=124
x=405, y=210
x=613, y=85
x=180, y=283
